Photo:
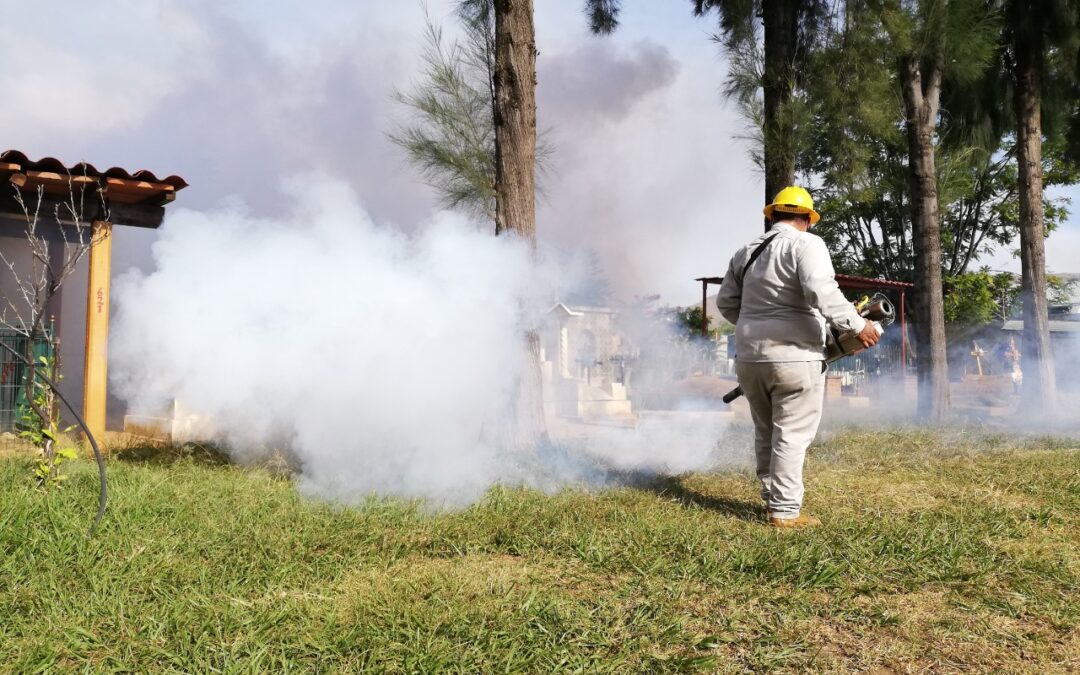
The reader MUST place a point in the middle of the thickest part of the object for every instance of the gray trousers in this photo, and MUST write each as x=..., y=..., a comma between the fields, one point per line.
x=785, y=404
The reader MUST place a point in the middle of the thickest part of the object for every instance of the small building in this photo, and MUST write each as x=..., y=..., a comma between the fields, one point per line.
x=78, y=314
x=584, y=365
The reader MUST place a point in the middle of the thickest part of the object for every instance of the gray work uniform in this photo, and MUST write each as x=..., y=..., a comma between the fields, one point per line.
x=780, y=311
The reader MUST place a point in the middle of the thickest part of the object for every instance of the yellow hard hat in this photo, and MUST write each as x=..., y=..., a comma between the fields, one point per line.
x=793, y=199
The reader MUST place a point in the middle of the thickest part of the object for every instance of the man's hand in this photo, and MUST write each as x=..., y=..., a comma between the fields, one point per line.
x=869, y=335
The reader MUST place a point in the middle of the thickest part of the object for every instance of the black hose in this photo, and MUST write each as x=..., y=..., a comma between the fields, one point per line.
x=103, y=491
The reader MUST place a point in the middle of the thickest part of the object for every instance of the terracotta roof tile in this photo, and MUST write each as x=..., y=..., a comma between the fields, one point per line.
x=53, y=165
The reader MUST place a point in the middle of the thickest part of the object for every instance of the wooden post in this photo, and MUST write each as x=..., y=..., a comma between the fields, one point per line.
x=97, y=329
x=903, y=338
x=704, y=308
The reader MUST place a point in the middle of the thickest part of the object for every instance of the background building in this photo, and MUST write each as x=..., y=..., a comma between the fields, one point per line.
x=56, y=226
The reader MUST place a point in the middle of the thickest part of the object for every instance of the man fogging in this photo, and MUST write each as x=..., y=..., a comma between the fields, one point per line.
x=878, y=310
x=780, y=291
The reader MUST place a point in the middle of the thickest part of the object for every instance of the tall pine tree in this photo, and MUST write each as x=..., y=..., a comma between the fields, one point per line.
x=1043, y=52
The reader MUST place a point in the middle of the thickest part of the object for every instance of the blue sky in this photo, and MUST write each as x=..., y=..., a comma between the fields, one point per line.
x=238, y=96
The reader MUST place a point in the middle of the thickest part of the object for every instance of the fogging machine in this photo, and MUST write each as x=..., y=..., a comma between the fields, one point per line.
x=878, y=310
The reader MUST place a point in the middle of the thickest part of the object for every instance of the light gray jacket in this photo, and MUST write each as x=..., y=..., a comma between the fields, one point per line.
x=780, y=309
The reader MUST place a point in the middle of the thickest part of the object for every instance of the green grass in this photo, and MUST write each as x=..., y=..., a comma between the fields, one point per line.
x=940, y=553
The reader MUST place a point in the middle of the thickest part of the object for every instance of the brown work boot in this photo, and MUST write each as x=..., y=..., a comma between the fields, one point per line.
x=802, y=520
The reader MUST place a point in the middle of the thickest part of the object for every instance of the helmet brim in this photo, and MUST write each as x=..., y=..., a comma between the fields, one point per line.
x=792, y=209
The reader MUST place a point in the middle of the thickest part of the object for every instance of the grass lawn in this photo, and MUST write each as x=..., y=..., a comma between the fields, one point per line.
x=941, y=552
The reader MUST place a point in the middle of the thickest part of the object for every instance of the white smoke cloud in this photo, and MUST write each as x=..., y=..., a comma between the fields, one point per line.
x=664, y=442
x=616, y=81
x=233, y=96
x=373, y=356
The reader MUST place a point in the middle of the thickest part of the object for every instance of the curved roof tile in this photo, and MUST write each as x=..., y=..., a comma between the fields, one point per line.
x=87, y=169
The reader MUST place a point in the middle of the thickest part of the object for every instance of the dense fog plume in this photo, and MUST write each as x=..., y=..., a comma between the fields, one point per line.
x=669, y=442
x=373, y=357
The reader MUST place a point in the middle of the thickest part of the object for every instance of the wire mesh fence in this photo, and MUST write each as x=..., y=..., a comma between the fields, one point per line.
x=13, y=374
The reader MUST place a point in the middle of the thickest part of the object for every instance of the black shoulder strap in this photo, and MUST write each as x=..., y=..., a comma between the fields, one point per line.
x=756, y=254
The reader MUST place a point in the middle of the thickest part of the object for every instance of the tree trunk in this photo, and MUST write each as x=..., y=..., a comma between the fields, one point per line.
x=1040, y=386
x=781, y=28
x=515, y=118
x=515, y=187
x=921, y=97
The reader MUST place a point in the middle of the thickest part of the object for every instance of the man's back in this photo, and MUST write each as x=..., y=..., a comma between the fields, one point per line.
x=779, y=308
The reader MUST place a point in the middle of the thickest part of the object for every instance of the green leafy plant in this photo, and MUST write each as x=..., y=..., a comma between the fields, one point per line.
x=39, y=425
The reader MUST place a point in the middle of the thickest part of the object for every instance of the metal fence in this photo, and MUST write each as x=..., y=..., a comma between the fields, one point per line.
x=869, y=367
x=13, y=374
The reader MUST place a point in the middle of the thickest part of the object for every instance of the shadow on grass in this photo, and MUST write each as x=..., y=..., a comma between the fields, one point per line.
x=562, y=465
x=161, y=454
x=278, y=464
x=673, y=488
